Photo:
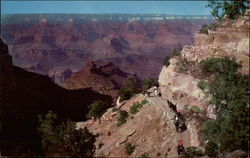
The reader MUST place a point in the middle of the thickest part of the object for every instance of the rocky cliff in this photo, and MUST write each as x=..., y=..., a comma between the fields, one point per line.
x=25, y=95
x=152, y=130
x=179, y=80
x=105, y=78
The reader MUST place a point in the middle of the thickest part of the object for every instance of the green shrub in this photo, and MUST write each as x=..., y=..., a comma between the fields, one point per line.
x=145, y=155
x=97, y=108
x=145, y=101
x=183, y=65
x=130, y=90
x=129, y=148
x=114, y=109
x=229, y=91
x=202, y=85
x=149, y=82
x=196, y=109
x=211, y=149
x=60, y=138
x=219, y=65
x=192, y=152
x=123, y=115
x=204, y=29
x=136, y=106
x=176, y=53
x=166, y=61
x=231, y=8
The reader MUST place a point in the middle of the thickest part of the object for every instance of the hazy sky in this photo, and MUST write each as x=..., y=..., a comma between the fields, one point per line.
x=158, y=7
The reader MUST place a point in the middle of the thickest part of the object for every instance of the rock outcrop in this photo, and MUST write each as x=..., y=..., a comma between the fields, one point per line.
x=152, y=129
x=105, y=78
x=25, y=95
x=231, y=38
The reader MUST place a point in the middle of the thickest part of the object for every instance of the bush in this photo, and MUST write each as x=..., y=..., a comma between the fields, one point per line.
x=129, y=148
x=192, y=152
x=202, y=85
x=149, y=82
x=219, y=65
x=130, y=90
x=184, y=65
x=204, y=29
x=60, y=138
x=144, y=156
x=136, y=106
x=231, y=8
x=97, y=108
x=176, y=53
x=196, y=109
x=123, y=115
x=229, y=91
x=166, y=61
x=211, y=149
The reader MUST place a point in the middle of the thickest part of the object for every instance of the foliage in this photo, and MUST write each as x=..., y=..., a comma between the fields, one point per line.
x=149, y=82
x=129, y=90
x=114, y=109
x=202, y=85
x=231, y=8
x=129, y=148
x=184, y=65
x=136, y=106
x=60, y=138
x=196, y=109
x=166, y=61
x=145, y=155
x=123, y=115
x=229, y=91
x=211, y=149
x=97, y=108
x=219, y=65
x=176, y=53
x=192, y=152
x=204, y=29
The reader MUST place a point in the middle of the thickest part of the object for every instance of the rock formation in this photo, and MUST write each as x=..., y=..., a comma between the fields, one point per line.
x=51, y=44
x=25, y=95
x=152, y=130
x=105, y=78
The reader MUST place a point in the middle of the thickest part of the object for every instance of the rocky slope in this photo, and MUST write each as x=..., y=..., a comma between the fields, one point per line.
x=179, y=82
x=151, y=130
x=52, y=44
x=104, y=78
x=24, y=95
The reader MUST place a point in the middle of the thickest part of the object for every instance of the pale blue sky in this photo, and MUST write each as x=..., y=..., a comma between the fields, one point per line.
x=92, y=7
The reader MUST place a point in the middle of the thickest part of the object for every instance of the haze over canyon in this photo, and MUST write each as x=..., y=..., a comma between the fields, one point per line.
x=58, y=45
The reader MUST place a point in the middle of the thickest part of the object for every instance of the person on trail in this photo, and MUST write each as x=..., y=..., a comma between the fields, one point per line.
x=176, y=123
x=180, y=147
x=156, y=91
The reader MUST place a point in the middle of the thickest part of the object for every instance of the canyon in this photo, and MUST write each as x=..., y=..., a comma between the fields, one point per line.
x=54, y=44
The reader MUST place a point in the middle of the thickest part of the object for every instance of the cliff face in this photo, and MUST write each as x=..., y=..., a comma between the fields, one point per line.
x=152, y=129
x=25, y=95
x=105, y=78
x=179, y=80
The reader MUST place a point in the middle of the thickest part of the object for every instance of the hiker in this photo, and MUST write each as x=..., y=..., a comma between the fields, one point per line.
x=172, y=106
x=176, y=123
x=156, y=91
x=180, y=147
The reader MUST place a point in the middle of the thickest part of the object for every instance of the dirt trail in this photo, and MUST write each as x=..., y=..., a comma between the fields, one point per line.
x=162, y=104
